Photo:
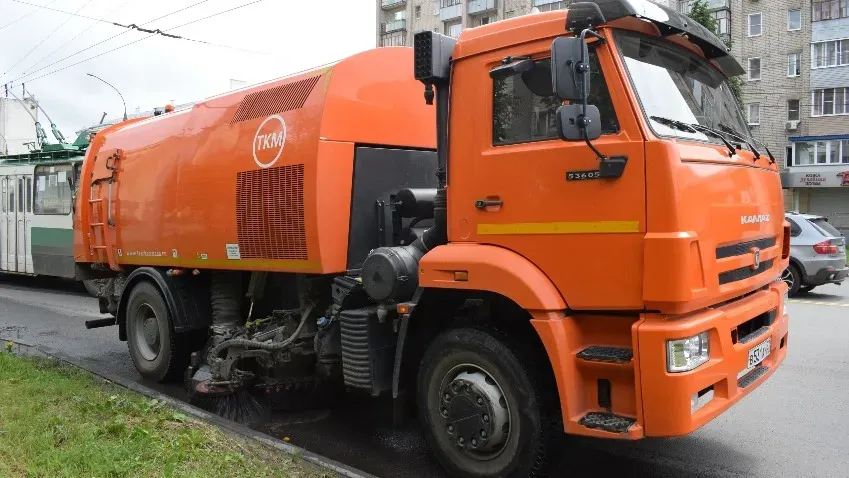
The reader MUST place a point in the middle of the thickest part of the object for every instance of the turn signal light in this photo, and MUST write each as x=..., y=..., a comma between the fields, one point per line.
x=785, y=242
x=825, y=247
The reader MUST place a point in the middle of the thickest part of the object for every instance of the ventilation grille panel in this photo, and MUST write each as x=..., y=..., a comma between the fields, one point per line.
x=288, y=97
x=270, y=213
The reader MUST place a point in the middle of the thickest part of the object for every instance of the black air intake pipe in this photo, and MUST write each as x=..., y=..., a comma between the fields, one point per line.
x=391, y=274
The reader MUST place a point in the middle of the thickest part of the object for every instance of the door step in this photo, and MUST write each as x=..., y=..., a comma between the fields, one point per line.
x=598, y=353
x=607, y=421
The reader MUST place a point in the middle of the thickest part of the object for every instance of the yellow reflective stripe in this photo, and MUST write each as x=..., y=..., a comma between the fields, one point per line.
x=595, y=227
x=223, y=263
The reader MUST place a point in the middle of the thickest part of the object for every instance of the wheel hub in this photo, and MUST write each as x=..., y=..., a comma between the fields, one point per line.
x=474, y=412
x=151, y=331
x=146, y=332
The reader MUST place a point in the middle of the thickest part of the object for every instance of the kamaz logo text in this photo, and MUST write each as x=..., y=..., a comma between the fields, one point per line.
x=269, y=141
x=754, y=219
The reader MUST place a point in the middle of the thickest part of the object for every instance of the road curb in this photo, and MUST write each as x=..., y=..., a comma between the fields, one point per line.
x=226, y=426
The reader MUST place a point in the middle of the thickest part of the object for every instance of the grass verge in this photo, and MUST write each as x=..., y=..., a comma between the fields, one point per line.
x=56, y=420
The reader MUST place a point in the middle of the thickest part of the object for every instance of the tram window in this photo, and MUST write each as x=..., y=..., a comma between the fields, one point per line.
x=20, y=195
x=29, y=194
x=3, y=198
x=52, y=189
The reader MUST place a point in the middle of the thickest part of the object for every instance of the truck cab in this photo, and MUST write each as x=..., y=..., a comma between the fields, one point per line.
x=646, y=245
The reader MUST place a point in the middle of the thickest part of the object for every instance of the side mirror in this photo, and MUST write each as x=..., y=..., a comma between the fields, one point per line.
x=572, y=122
x=569, y=68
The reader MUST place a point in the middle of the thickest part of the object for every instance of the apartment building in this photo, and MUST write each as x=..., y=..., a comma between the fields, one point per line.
x=398, y=20
x=818, y=168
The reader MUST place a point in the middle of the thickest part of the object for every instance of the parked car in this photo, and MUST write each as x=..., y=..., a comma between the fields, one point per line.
x=817, y=253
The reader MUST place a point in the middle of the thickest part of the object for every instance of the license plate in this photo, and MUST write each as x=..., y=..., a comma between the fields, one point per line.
x=757, y=354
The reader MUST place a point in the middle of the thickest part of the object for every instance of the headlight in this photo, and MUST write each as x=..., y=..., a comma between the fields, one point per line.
x=683, y=355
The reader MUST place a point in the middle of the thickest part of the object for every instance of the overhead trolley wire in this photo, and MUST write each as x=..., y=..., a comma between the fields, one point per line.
x=27, y=14
x=145, y=38
x=42, y=41
x=71, y=40
x=106, y=40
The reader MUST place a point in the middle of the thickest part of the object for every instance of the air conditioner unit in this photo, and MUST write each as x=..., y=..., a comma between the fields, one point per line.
x=792, y=125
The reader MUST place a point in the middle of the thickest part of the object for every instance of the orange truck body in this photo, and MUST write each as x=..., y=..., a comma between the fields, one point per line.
x=629, y=263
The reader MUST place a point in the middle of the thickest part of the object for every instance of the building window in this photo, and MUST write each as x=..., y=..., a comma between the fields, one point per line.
x=829, y=9
x=418, y=12
x=794, y=64
x=754, y=69
x=479, y=22
x=792, y=110
x=830, y=101
x=520, y=116
x=550, y=6
x=436, y=4
x=684, y=7
x=830, y=53
x=754, y=113
x=723, y=22
x=453, y=29
x=755, y=24
x=820, y=152
x=450, y=3
x=794, y=20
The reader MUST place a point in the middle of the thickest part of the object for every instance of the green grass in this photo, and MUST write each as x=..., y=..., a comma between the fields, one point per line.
x=58, y=421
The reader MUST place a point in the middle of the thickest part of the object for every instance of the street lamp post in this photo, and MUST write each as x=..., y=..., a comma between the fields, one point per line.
x=116, y=91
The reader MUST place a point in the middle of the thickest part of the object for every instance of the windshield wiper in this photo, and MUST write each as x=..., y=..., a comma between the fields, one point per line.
x=688, y=127
x=730, y=131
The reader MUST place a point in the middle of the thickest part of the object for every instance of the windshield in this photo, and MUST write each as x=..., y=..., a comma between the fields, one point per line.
x=675, y=84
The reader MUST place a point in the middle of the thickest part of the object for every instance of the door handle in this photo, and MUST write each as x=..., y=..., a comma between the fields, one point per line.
x=485, y=203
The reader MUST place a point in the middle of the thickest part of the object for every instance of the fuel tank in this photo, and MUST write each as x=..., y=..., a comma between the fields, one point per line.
x=716, y=226
x=256, y=179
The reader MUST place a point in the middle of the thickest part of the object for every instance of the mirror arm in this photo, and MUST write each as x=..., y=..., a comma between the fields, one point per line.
x=584, y=70
x=599, y=155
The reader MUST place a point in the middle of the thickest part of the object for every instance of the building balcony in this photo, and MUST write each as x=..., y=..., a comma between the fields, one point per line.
x=480, y=6
x=393, y=26
x=719, y=4
x=452, y=12
x=390, y=4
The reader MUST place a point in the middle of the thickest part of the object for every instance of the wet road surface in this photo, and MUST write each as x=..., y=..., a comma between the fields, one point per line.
x=793, y=425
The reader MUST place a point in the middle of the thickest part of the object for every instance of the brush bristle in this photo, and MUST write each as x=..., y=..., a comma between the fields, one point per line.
x=240, y=406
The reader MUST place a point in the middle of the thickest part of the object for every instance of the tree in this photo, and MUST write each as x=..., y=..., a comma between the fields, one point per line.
x=700, y=11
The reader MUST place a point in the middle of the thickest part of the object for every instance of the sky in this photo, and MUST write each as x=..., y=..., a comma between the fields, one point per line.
x=281, y=37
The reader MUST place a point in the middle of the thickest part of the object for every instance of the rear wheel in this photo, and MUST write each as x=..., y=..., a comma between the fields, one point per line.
x=154, y=348
x=97, y=287
x=793, y=278
x=484, y=413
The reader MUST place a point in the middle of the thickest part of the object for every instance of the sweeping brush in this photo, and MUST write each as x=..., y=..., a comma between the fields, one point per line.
x=238, y=405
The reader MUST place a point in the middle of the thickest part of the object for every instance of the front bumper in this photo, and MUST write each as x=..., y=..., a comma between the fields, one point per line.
x=666, y=396
x=828, y=275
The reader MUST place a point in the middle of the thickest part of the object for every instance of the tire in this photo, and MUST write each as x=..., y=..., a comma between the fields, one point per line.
x=154, y=348
x=97, y=287
x=793, y=278
x=807, y=288
x=468, y=363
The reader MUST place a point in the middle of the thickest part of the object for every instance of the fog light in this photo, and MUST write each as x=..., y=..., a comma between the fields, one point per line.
x=683, y=355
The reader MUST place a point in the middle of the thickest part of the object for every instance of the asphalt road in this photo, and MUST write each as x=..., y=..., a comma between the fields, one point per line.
x=793, y=425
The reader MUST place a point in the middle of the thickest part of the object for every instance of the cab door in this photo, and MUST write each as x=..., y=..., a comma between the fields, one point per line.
x=514, y=183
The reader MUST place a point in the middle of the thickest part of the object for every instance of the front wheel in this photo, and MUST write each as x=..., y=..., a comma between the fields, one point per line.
x=484, y=413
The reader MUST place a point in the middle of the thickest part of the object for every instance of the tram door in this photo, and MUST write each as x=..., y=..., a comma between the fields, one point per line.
x=27, y=203
x=5, y=232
